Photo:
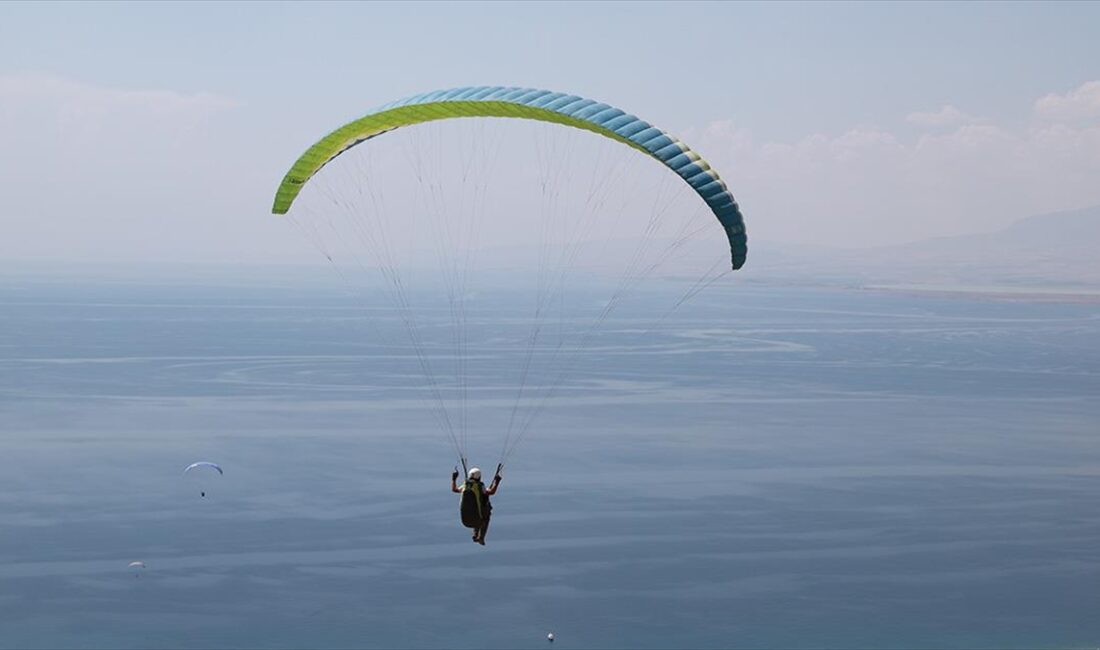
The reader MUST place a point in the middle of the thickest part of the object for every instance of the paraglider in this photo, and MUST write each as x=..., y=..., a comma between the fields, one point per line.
x=202, y=471
x=475, y=506
x=335, y=193
x=137, y=567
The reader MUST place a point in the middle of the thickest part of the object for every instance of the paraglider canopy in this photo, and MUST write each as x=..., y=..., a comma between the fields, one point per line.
x=531, y=104
x=203, y=463
x=567, y=234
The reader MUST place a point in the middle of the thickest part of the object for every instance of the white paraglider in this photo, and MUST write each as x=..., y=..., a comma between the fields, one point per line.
x=202, y=472
x=137, y=567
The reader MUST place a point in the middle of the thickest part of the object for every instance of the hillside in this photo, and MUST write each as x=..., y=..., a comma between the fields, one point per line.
x=1057, y=251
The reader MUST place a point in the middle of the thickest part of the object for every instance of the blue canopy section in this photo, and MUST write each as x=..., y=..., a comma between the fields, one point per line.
x=670, y=151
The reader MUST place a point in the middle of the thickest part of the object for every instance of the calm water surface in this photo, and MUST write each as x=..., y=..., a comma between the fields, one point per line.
x=766, y=468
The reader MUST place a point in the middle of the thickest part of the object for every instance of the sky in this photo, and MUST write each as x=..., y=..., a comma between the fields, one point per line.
x=159, y=131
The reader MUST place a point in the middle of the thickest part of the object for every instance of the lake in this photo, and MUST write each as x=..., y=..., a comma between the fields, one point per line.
x=765, y=467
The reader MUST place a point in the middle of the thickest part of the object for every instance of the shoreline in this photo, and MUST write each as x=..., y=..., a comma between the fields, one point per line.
x=1015, y=294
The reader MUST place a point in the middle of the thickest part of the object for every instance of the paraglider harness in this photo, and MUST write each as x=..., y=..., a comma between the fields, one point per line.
x=475, y=507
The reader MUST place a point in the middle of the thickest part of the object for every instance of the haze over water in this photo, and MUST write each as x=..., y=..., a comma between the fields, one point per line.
x=770, y=467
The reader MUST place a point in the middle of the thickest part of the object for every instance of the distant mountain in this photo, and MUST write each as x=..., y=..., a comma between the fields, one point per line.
x=1045, y=252
x=1051, y=248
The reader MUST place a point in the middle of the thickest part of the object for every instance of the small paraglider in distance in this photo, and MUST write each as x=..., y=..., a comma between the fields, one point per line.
x=137, y=567
x=202, y=470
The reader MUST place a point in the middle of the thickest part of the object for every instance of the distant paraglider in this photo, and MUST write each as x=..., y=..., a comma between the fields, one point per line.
x=137, y=567
x=203, y=471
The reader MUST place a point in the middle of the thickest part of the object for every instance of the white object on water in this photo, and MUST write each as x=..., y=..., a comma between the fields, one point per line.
x=550, y=637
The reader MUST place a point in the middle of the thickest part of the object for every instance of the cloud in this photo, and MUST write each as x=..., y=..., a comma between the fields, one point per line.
x=90, y=168
x=54, y=112
x=95, y=171
x=21, y=87
x=1081, y=104
x=869, y=185
x=948, y=115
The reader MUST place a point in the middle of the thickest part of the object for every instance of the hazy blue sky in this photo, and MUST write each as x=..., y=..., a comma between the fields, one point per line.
x=160, y=130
